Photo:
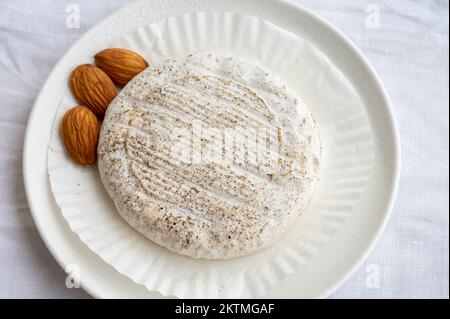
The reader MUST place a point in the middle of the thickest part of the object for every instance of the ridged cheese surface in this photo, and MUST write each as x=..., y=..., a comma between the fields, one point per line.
x=210, y=156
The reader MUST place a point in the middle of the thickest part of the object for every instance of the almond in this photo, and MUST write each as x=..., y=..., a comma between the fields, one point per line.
x=80, y=130
x=92, y=87
x=120, y=64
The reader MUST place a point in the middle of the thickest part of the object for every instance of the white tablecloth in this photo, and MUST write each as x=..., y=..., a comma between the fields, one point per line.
x=408, y=44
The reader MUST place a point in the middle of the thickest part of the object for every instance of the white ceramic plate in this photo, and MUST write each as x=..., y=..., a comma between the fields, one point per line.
x=326, y=270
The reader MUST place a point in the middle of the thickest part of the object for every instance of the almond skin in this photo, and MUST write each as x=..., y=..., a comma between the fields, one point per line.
x=120, y=64
x=80, y=130
x=92, y=87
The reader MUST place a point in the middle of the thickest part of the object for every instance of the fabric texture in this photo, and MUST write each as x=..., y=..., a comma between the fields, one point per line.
x=406, y=41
